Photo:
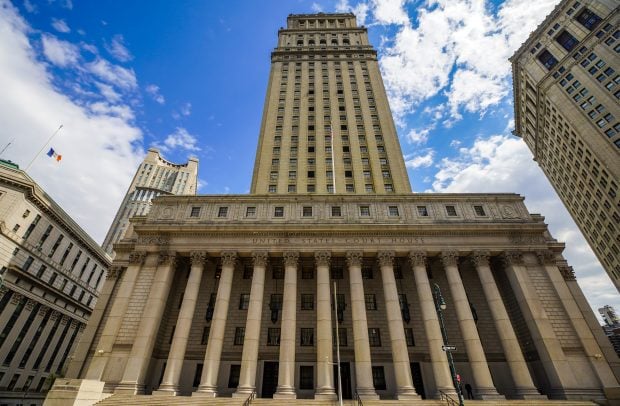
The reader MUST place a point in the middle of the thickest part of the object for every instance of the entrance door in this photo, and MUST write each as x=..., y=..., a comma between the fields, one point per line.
x=270, y=379
x=418, y=383
x=345, y=373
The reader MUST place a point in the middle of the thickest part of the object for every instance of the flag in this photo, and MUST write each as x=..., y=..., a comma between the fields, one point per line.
x=53, y=154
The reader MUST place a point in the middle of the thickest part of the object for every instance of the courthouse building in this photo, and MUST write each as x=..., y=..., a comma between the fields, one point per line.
x=215, y=296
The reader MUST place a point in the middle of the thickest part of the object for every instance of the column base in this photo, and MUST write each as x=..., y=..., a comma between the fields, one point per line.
x=285, y=392
x=243, y=392
x=325, y=394
x=487, y=394
x=129, y=388
x=407, y=394
x=206, y=392
x=167, y=390
x=367, y=393
x=528, y=393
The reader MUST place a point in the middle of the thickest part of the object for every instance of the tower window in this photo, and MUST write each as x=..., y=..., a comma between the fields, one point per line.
x=548, y=60
x=311, y=174
x=278, y=211
x=479, y=210
x=588, y=19
x=365, y=211
x=567, y=41
x=451, y=211
x=307, y=211
x=393, y=211
x=336, y=211
x=222, y=212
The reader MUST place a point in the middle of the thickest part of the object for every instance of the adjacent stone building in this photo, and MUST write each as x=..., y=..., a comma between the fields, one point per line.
x=567, y=90
x=230, y=295
x=51, y=271
x=155, y=177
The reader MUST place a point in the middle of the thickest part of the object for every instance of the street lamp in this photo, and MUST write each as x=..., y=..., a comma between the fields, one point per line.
x=440, y=306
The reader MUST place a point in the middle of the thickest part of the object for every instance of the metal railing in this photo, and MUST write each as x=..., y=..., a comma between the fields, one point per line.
x=449, y=399
x=250, y=398
x=358, y=400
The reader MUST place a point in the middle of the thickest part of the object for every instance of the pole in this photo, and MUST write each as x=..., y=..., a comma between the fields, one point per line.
x=331, y=131
x=337, y=346
x=7, y=145
x=439, y=302
x=42, y=148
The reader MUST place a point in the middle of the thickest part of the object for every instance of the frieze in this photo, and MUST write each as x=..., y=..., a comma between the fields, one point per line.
x=153, y=240
x=525, y=239
x=509, y=212
x=329, y=241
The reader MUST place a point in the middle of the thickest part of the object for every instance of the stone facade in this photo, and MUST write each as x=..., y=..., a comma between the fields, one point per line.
x=566, y=88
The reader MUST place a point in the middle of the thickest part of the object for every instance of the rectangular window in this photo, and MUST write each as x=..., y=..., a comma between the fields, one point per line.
x=393, y=211
x=278, y=211
x=307, y=337
x=195, y=212
x=409, y=337
x=451, y=211
x=336, y=211
x=371, y=301
x=364, y=211
x=244, y=301
x=588, y=19
x=27, y=264
x=311, y=188
x=479, y=210
x=239, y=335
x=273, y=336
x=342, y=336
x=422, y=211
x=378, y=378
x=292, y=188
x=222, y=212
x=567, y=41
x=547, y=59
x=306, y=377
x=307, y=302
x=250, y=211
x=349, y=188
x=374, y=337
x=307, y=211
x=233, y=377
x=272, y=188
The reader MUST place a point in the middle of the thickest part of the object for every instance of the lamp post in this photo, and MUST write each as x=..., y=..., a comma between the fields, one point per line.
x=440, y=306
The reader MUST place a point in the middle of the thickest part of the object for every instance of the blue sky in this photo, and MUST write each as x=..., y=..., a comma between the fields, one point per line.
x=190, y=77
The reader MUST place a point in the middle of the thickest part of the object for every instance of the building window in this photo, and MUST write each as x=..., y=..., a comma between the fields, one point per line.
x=278, y=211
x=310, y=174
x=378, y=378
x=567, y=41
x=367, y=272
x=371, y=301
x=547, y=59
x=479, y=210
x=342, y=336
x=393, y=211
x=244, y=301
x=330, y=188
x=195, y=212
x=239, y=335
x=422, y=211
x=307, y=337
x=349, y=188
x=233, y=377
x=222, y=212
x=364, y=211
x=374, y=337
x=306, y=377
x=307, y=211
x=307, y=302
x=272, y=188
x=250, y=211
x=451, y=211
x=277, y=272
x=307, y=273
x=311, y=188
x=389, y=188
x=27, y=264
x=273, y=336
x=588, y=19
x=336, y=211
x=248, y=271
x=409, y=337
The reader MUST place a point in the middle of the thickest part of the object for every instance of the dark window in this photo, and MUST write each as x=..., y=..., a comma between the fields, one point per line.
x=479, y=210
x=393, y=211
x=27, y=264
x=371, y=301
x=205, y=337
x=32, y=226
x=547, y=59
x=342, y=336
x=422, y=211
x=197, y=375
x=13, y=382
x=451, y=210
x=307, y=272
x=233, y=377
x=336, y=211
x=278, y=211
x=195, y=212
x=307, y=337
x=374, y=337
x=409, y=337
x=222, y=212
x=307, y=211
x=277, y=272
x=247, y=272
x=365, y=211
x=250, y=211
x=239, y=335
x=348, y=174
x=567, y=41
x=336, y=272
x=306, y=377
x=588, y=19
x=367, y=272
x=244, y=301
x=378, y=378
x=307, y=302
x=311, y=174
x=273, y=336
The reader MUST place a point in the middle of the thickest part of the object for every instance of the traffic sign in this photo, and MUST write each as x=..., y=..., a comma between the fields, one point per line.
x=448, y=347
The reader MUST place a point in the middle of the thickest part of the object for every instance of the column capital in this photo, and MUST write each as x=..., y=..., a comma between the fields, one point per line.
x=167, y=258
x=385, y=258
x=197, y=257
x=290, y=258
x=417, y=258
x=137, y=257
x=55, y=314
x=546, y=257
x=17, y=297
x=43, y=310
x=480, y=258
x=3, y=290
x=75, y=324
x=355, y=258
x=260, y=258
x=567, y=273
x=65, y=319
x=512, y=258
x=322, y=258
x=450, y=258
x=228, y=257
x=30, y=304
x=114, y=272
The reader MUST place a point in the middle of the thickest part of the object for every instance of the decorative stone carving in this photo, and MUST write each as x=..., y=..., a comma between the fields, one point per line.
x=229, y=258
x=197, y=257
x=260, y=258
x=322, y=258
x=17, y=297
x=355, y=258
x=43, y=310
x=55, y=315
x=510, y=258
x=567, y=273
x=30, y=304
x=74, y=324
x=115, y=272
x=385, y=258
x=137, y=257
x=417, y=258
x=153, y=240
x=3, y=290
x=450, y=258
x=82, y=327
x=291, y=258
x=508, y=212
x=522, y=239
x=167, y=212
x=167, y=258
x=480, y=258
x=546, y=257
x=65, y=319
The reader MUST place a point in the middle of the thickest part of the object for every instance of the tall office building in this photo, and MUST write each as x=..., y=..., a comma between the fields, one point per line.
x=155, y=177
x=567, y=90
x=232, y=295
x=51, y=273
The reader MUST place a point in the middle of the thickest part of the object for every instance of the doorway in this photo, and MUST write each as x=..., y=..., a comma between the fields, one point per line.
x=270, y=379
x=418, y=383
x=345, y=373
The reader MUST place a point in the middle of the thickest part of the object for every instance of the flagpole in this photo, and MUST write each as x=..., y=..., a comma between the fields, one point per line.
x=7, y=145
x=42, y=148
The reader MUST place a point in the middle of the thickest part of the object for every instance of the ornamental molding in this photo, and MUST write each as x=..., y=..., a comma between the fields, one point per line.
x=355, y=258
x=322, y=258
x=17, y=297
x=260, y=258
x=480, y=258
x=43, y=310
x=198, y=258
x=55, y=314
x=290, y=258
x=167, y=258
x=511, y=258
x=449, y=258
x=546, y=257
x=417, y=258
x=385, y=258
x=153, y=240
x=568, y=273
x=30, y=304
x=527, y=239
x=229, y=258
x=137, y=257
x=65, y=319
x=114, y=272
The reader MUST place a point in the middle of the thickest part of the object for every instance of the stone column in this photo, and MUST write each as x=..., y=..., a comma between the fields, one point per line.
x=552, y=358
x=325, y=373
x=36, y=325
x=363, y=362
x=524, y=386
x=115, y=317
x=19, y=323
x=286, y=373
x=441, y=369
x=176, y=356
x=400, y=352
x=559, y=278
x=142, y=348
x=208, y=381
x=483, y=382
x=249, y=356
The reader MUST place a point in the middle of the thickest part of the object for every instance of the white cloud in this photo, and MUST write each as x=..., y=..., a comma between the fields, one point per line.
x=360, y=10
x=316, y=7
x=390, y=11
x=60, y=25
x=58, y=52
x=186, y=109
x=100, y=151
x=420, y=161
x=180, y=138
x=153, y=91
x=118, y=49
x=108, y=92
x=503, y=163
x=31, y=8
x=113, y=110
x=419, y=136
x=113, y=74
